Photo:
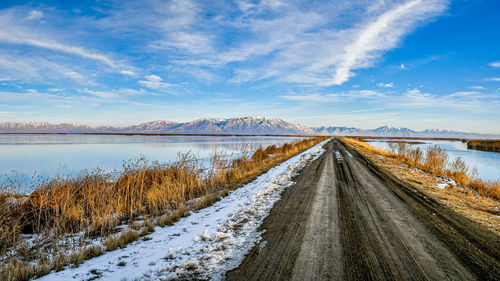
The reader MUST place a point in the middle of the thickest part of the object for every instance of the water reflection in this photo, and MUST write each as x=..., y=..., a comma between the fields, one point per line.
x=21, y=156
x=487, y=163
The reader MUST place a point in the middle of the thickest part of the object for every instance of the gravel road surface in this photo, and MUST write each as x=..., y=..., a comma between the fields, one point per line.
x=347, y=219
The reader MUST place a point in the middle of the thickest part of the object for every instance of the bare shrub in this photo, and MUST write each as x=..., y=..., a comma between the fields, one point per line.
x=96, y=202
x=435, y=160
x=416, y=155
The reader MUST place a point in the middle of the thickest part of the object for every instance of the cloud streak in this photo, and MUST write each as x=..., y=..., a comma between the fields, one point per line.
x=382, y=34
x=16, y=31
x=494, y=64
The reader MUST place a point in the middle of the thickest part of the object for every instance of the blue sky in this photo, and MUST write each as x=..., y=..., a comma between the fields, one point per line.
x=410, y=63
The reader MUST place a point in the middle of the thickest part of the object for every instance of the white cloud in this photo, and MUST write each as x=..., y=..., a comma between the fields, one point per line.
x=494, y=64
x=103, y=94
x=382, y=34
x=386, y=85
x=287, y=41
x=55, y=46
x=299, y=42
x=154, y=82
x=14, y=32
x=334, y=97
x=463, y=94
x=121, y=94
x=38, y=69
x=471, y=101
x=477, y=87
x=311, y=98
x=35, y=15
x=74, y=75
x=402, y=66
x=127, y=72
x=497, y=79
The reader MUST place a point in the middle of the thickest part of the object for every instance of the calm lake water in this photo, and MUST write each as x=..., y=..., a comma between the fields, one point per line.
x=24, y=156
x=487, y=163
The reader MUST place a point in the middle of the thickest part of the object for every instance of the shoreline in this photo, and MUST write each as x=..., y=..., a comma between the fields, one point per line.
x=142, y=198
x=481, y=207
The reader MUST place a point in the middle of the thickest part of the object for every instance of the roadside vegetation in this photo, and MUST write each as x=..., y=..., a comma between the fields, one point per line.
x=426, y=169
x=486, y=145
x=435, y=161
x=58, y=224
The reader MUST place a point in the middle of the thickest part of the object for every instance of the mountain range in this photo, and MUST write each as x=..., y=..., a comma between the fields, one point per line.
x=233, y=126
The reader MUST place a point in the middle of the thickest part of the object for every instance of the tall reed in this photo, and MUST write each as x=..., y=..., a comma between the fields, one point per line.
x=95, y=202
x=436, y=162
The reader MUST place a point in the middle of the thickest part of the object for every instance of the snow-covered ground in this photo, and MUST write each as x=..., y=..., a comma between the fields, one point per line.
x=446, y=182
x=204, y=245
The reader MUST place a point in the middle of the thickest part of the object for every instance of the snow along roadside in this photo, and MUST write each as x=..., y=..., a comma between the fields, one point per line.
x=204, y=245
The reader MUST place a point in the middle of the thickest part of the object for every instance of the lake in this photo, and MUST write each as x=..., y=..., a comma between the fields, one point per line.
x=487, y=163
x=24, y=156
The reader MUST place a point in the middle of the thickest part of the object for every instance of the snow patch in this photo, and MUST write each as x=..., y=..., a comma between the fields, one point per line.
x=447, y=182
x=223, y=233
x=339, y=156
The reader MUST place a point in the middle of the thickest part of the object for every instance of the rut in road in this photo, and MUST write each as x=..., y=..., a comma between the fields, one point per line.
x=322, y=233
x=345, y=219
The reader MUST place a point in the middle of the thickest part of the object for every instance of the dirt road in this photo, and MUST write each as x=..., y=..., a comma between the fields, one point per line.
x=346, y=219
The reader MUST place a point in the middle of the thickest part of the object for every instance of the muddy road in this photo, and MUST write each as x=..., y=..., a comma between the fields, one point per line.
x=346, y=219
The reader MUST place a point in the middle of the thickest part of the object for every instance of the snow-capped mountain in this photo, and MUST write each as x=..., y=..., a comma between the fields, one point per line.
x=388, y=131
x=155, y=127
x=245, y=125
x=238, y=126
x=340, y=131
x=44, y=127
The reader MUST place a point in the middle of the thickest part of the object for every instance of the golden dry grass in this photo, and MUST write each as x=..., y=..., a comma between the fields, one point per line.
x=436, y=162
x=488, y=145
x=95, y=202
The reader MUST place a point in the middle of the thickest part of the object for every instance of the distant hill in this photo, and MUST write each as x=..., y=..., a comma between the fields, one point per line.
x=388, y=131
x=244, y=125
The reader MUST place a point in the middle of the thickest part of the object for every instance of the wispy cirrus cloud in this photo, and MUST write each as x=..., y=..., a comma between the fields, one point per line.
x=35, y=15
x=471, y=101
x=322, y=44
x=154, y=82
x=494, y=64
x=17, y=31
x=386, y=85
x=300, y=42
x=333, y=97
x=383, y=33
x=38, y=69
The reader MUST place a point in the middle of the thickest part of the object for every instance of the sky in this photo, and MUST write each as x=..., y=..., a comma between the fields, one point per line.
x=418, y=64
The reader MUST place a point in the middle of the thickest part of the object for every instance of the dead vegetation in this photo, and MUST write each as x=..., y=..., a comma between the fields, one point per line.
x=65, y=212
x=470, y=196
x=487, y=145
x=435, y=161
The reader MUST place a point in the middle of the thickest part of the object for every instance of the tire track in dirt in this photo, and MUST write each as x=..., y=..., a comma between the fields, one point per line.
x=346, y=219
x=322, y=234
x=285, y=227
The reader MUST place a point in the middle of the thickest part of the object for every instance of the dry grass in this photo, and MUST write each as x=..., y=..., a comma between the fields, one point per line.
x=488, y=145
x=96, y=202
x=478, y=200
x=436, y=162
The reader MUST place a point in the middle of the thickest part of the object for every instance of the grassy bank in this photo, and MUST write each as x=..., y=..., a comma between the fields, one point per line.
x=67, y=215
x=423, y=170
x=435, y=161
x=486, y=145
